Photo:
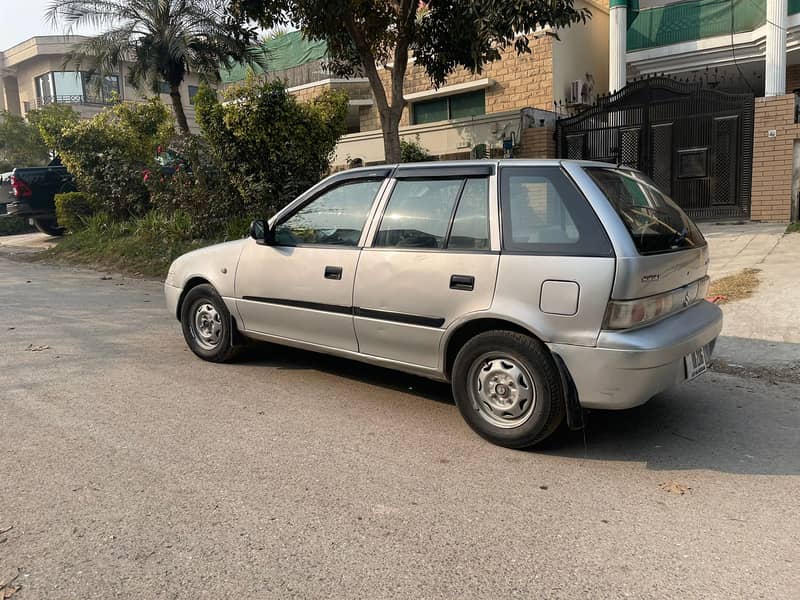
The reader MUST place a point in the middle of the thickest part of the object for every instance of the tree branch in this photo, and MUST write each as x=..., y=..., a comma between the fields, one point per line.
x=367, y=62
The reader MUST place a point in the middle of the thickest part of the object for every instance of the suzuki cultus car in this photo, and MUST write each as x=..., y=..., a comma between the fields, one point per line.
x=535, y=288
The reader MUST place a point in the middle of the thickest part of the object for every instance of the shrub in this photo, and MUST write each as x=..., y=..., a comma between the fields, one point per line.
x=159, y=227
x=414, y=152
x=197, y=187
x=73, y=209
x=270, y=147
x=108, y=154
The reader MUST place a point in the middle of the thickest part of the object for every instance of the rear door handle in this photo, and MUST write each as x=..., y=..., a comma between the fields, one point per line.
x=462, y=282
x=333, y=273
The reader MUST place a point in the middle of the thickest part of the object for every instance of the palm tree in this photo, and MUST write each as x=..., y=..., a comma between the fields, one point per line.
x=162, y=40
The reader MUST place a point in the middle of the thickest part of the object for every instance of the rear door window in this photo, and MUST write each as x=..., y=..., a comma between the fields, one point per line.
x=545, y=213
x=437, y=214
x=655, y=222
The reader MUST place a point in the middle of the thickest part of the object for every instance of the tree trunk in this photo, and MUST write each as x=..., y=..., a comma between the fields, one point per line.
x=390, y=124
x=177, y=106
x=389, y=115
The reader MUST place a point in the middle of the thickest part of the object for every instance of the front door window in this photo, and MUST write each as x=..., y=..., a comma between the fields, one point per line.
x=336, y=218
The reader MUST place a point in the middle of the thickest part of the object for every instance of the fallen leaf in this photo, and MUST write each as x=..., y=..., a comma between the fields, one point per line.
x=9, y=591
x=32, y=348
x=673, y=487
x=106, y=277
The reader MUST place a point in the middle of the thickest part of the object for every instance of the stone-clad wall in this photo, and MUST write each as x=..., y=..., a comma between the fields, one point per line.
x=520, y=82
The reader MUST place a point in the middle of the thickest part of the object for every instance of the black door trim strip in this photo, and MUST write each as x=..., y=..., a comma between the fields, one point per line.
x=406, y=318
x=368, y=313
x=332, y=308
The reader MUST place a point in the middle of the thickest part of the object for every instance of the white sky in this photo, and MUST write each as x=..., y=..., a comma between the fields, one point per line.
x=22, y=19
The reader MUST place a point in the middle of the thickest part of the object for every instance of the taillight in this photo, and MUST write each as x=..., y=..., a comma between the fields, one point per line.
x=20, y=188
x=626, y=314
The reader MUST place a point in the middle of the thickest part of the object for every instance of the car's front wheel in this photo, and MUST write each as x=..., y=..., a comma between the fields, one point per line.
x=207, y=324
x=508, y=388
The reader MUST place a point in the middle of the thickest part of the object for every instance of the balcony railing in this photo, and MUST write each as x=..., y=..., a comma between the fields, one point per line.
x=74, y=99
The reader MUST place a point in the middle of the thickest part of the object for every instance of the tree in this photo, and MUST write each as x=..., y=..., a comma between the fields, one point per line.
x=443, y=36
x=22, y=143
x=270, y=146
x=163, y=40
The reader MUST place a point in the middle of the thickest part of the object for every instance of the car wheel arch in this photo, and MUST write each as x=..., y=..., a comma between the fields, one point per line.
x=466, y=330
x=192, y=282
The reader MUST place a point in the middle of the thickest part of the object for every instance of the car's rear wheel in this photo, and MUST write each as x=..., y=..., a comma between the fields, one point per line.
x=508, y=388
x=48, y=226
x=207, y=324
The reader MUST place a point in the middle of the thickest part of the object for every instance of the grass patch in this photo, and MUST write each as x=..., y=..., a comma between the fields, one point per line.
x=144, y=246
x=793, y=228
x=14, y=226
x=735, y=287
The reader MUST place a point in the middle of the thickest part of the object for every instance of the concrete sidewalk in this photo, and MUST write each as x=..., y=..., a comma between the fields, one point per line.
x=761, y=331
x=742, y=246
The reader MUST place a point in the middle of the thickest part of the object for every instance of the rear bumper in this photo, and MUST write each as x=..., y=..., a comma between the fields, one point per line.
x=627, y=368
x=22, y=209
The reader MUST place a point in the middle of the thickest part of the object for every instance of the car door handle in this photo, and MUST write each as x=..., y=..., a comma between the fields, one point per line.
x=462, y=282
x=333, y=273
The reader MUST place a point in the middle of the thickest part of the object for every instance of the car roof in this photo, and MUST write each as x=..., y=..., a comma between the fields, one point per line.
x=379, y=170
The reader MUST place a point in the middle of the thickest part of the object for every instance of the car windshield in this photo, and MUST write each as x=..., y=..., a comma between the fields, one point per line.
x=655, y=222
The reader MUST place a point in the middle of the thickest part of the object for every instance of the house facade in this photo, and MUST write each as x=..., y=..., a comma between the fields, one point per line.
x=33, y=74
x=512, y=104
x=750, y=46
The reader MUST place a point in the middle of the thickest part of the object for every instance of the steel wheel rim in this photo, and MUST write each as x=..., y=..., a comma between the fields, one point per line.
x=502, y=390
x=206, y=325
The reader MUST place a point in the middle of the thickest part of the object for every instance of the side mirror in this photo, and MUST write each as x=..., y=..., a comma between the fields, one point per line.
x=262, y=233
x=257, y=230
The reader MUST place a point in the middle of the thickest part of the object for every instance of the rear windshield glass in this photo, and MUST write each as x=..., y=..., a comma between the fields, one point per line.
x=655, y=222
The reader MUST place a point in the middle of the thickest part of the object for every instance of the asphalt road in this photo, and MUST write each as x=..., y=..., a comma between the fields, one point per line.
x=130, y=468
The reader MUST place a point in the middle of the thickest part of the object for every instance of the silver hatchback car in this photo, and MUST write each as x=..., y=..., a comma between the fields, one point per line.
x=536, y=288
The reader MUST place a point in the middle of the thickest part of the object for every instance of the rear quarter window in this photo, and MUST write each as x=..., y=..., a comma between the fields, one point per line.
x=543, y=212
x=656, y=224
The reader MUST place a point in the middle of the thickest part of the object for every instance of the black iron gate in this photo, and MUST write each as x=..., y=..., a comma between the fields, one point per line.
x=696, y=143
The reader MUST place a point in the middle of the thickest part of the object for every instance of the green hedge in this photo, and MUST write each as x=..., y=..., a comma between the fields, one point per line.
x=73, y=209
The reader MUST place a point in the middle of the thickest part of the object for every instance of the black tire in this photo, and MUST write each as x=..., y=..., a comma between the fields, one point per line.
x=223, y=349
x=48, y=226
x=528, y=362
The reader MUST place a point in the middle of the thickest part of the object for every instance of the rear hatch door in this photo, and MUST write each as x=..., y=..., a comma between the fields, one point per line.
x=668, y=251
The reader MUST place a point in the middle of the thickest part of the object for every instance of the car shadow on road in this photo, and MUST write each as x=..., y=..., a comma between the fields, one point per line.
x=719, y=422
x=285, y=358
x=701, y=425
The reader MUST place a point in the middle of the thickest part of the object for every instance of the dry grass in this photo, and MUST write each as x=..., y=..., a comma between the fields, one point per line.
x=735, y=287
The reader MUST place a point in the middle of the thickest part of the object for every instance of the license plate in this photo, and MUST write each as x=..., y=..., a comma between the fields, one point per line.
x=695, y=363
